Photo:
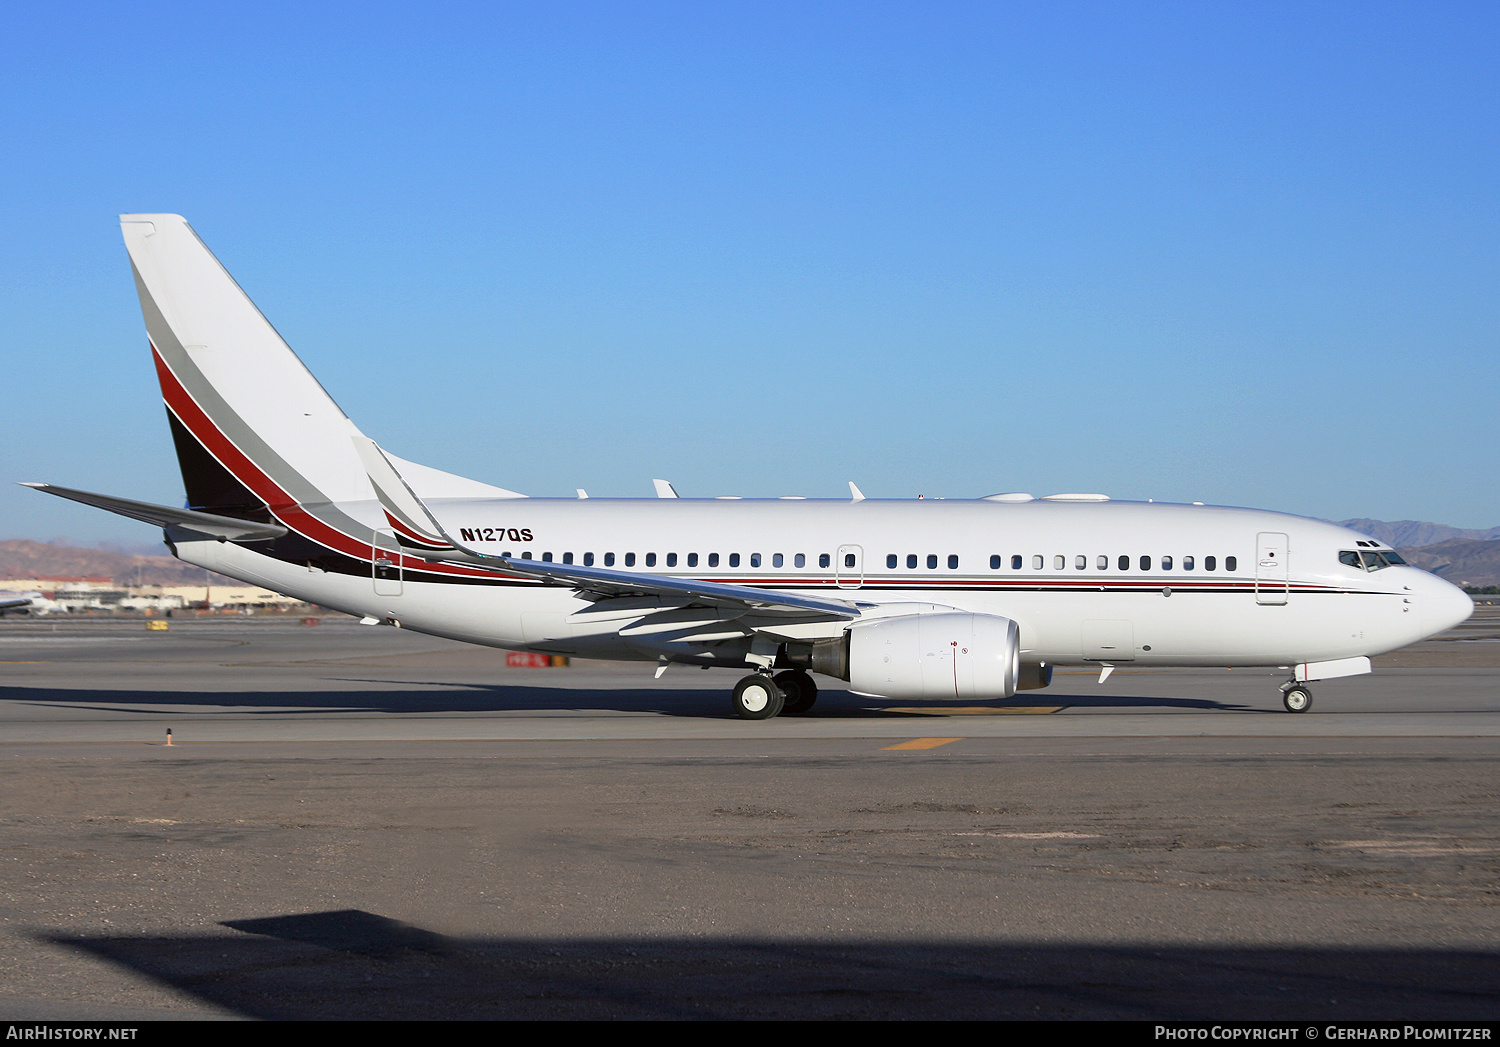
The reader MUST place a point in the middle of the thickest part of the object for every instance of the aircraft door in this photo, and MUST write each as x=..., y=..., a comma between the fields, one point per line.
x=849, y=567
x=386, y=563
x=1272, y=576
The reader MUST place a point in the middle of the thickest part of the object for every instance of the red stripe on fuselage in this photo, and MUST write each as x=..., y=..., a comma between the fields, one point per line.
x=416, y=536
x=285, y=508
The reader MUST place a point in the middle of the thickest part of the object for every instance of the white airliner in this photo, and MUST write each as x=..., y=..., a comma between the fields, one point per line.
x=910, y=599
x=13, y=601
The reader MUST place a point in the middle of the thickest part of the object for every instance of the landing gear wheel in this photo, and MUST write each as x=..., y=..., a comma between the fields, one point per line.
x=800, y=691
x=1296, y=699
x=757, y=698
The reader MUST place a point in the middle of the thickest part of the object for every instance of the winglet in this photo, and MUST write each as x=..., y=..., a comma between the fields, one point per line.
x=405, y=511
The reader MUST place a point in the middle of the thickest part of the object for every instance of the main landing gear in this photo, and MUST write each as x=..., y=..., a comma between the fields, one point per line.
x=761, y=696
x=1295, y=697
x=800, y=691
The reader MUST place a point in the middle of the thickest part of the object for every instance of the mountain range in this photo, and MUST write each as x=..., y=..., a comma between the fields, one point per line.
x=1414, y=534
x=21, y=558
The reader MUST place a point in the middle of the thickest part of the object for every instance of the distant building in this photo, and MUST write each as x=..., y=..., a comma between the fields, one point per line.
x=97, y=593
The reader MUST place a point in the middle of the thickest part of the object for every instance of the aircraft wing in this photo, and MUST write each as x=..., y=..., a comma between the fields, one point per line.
x=412, y=515
x=225, y=527
x=607, y=582
x=10, y=601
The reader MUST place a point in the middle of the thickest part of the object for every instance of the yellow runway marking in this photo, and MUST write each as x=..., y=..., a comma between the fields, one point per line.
x=973, y=710
x=922, y=743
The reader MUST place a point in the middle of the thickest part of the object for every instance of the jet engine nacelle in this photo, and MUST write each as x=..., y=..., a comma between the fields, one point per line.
x=936, y=656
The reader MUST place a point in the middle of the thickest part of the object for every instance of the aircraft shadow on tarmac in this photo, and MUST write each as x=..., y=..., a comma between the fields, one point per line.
x=471, y=698
x=358, y=965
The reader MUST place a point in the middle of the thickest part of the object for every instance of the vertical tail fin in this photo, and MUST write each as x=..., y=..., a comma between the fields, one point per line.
x=250, y=421
x=252, y=426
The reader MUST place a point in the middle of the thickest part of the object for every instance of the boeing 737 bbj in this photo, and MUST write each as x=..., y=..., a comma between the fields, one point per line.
x=919, y=599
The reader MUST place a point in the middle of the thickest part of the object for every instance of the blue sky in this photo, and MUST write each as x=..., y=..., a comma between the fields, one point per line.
x=1234, y=253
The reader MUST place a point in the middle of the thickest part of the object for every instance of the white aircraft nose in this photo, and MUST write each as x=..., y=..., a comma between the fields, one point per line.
x=1441, y=605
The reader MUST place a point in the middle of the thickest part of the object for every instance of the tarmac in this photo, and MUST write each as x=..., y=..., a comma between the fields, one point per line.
x=364, y=822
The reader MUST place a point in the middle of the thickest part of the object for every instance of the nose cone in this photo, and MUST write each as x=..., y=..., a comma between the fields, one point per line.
x=1441, y=605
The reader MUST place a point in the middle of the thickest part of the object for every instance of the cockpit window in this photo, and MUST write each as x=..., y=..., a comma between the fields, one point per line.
x=1368, y=560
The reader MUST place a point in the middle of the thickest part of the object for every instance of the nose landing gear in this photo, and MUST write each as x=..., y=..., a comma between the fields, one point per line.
x=1295, y=697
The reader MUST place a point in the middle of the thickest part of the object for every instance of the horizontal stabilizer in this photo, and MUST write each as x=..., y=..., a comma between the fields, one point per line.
x=225, y=527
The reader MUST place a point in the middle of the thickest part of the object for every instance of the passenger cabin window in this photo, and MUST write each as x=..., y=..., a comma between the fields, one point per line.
x=588, y=559
x=1166, y=563
x=1145, y=563
x=547, y=557
x=1080, y=562
x=630, y=559
x=801, y=560
x=1059, y=562
x=755, y=559
x=1102, y=563
x=567, y=557
x=692, y=559
x=911, y=561
x=995, y=562
x=713, y=559
x=1210, y=563
x=1231, y=563
x=1015, y=562
x=824, y=560
x=932, y=561
x=1187, y=563
x=734, y=559
x=1124, y=563
x=849, y=559
x=1036, y=562
x=952, y=561
x=526, y=555
x=671, y=559
x=650, y=559
x=777, y=560
x=891, y=561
